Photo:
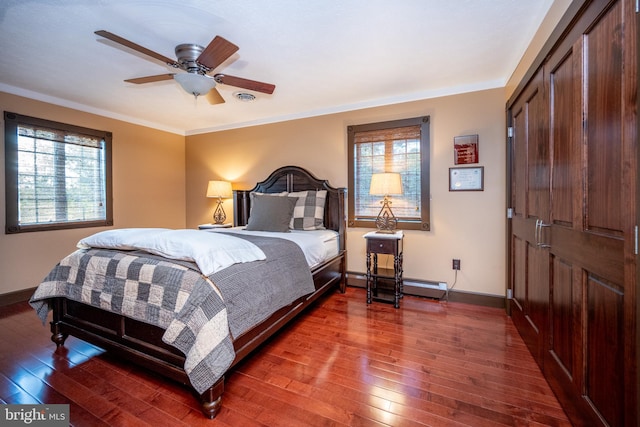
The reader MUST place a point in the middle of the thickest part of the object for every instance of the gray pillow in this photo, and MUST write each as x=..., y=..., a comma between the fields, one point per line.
x=270, y=213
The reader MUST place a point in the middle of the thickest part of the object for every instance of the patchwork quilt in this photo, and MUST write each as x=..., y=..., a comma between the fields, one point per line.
x=200, y=314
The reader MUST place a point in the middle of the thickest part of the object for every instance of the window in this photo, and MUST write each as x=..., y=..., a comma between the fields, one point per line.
x=57, y=175
x=400, y=146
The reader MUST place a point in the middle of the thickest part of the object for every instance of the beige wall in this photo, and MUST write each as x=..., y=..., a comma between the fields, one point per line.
x=150, y=170
x=148, y=190
x=465, y=225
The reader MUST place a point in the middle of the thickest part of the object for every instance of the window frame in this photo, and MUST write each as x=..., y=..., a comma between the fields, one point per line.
x=424, y=223
x=11, y=123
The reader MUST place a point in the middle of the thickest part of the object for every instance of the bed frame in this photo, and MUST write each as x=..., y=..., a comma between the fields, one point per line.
x=142, y=344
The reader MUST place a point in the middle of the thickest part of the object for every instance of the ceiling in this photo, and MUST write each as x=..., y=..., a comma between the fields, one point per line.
x=324, y=56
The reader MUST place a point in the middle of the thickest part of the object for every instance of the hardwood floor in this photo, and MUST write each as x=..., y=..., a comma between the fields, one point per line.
x=341, y=363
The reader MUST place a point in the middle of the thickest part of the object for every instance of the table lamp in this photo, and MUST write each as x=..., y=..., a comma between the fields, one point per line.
x=220, y=190
x=385, y=184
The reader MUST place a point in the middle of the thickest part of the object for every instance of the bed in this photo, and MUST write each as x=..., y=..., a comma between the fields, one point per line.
x=118, y=331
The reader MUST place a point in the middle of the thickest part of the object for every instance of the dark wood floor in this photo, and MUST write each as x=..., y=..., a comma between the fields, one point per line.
x=341, y=363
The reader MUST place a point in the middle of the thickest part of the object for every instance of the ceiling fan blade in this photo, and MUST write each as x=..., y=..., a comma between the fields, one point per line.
x=217, y=52
x=150, y=79
x=245, y=83
x=214, y=97
x=136, y=47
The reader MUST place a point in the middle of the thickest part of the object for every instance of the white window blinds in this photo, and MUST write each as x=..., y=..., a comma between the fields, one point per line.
x=388, y=150
x=60, y=177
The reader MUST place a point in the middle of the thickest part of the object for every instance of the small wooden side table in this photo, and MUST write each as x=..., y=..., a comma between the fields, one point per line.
x=387, y=244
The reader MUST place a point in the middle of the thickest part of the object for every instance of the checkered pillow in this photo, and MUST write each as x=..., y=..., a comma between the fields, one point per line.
x=309, y=211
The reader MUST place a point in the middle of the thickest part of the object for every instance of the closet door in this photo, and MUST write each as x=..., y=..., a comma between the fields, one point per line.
x=573, y=245
x=564, y=356
x=530, y=208
x=592, y=87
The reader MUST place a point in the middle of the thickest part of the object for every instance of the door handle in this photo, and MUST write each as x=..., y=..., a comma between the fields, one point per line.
x=538, y=234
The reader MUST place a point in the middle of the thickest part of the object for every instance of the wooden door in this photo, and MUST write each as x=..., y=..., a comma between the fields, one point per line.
x=530, y=206
x=585, y=254
x=592, y=87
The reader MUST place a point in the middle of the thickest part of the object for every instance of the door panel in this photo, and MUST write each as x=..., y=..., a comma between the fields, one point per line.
x=603, y=62
x=604, y=382
x=519, y=273
x=564, y=310
x=565, y=114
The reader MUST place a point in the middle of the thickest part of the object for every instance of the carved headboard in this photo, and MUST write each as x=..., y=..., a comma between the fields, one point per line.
x=294, y=178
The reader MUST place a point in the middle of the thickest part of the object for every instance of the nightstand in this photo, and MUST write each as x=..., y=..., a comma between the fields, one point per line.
x=386, y=244
x=211, y=226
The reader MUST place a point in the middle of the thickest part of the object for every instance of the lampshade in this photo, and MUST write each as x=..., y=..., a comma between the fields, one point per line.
x=194, y=83
x=220, y=189
x=383, y=184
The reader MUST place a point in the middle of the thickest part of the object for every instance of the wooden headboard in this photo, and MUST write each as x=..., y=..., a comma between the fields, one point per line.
x=294, y=178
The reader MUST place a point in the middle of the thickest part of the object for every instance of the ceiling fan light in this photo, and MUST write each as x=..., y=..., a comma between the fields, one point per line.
x=195, y=84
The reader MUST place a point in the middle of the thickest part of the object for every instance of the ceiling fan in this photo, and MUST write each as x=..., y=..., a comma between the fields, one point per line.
x=197, y=61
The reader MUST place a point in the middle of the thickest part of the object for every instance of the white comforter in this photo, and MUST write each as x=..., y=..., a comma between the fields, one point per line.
x=211, y=252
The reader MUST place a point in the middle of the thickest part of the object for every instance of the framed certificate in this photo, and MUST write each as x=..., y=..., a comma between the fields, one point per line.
x=466, y=179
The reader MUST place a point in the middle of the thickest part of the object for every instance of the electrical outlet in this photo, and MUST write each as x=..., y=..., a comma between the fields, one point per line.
x=456, y=264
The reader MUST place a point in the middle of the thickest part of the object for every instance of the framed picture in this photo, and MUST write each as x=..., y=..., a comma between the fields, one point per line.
x=466, y=179
x=465, y=149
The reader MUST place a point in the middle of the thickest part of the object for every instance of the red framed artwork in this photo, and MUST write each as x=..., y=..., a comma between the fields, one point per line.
x=465, y=149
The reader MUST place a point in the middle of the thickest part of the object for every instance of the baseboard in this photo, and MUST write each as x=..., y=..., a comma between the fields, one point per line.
x=433, y=290
x=16, y=296
x=357, y=280
x=478, y=299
